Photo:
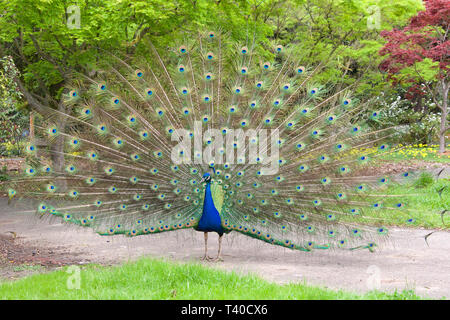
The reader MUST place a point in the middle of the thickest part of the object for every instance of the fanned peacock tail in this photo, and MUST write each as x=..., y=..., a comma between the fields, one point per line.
x=286, y=154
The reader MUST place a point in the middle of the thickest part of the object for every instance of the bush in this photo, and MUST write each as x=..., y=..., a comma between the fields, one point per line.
x=414, y=127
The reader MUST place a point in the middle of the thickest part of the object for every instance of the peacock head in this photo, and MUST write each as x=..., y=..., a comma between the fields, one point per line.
x=206, y=178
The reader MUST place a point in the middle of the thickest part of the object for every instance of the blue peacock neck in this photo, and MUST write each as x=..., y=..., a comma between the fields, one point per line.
x=210, y=220
x=208, y=202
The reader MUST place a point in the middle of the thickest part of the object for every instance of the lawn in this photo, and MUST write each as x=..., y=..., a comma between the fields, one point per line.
x=158, y=279
x=422, y=202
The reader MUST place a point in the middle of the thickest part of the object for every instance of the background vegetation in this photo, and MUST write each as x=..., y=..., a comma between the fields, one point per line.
x=40, y=44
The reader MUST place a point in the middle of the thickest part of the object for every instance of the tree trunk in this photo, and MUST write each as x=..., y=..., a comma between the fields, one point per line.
x=444, y=114
x=31, y=125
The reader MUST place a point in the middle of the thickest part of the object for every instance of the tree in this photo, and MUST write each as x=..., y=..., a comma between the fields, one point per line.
x=419, y=56
x=319, y=26
x=47, y=47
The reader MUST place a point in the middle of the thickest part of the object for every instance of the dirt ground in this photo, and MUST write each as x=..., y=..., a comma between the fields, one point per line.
x=405, y=263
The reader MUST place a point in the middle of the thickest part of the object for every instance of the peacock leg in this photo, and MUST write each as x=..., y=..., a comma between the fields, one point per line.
x=219, y=253
x=205, y=257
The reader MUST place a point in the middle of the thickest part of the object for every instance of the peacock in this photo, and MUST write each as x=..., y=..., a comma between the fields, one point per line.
x=217, y=136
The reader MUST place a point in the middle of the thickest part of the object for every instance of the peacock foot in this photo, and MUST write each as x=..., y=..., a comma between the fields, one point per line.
x=218, y=258
x=207, y=258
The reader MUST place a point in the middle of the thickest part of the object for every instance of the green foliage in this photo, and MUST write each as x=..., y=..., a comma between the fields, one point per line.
x=38, y=29
x=156, y=279
x=13, y=147
x=47, y=50
x=9, y=93
x=12, y=119
x=426, y=70
x=4, y=174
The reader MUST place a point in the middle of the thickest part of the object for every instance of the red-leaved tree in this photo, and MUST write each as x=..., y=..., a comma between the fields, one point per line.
x=419, y=56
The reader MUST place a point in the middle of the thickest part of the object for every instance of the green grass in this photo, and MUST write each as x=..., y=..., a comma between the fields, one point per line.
x=157, y=279
x=26, y=267
x=422, y=203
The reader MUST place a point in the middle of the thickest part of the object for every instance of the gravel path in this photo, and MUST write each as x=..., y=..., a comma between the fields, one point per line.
x=406, y=262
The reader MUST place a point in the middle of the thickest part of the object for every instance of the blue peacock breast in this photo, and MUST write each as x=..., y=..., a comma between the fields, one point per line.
x=211, y=220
